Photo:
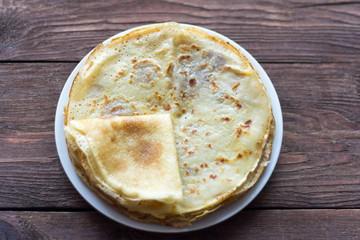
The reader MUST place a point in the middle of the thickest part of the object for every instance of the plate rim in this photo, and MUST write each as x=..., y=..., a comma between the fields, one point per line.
x=213, y=218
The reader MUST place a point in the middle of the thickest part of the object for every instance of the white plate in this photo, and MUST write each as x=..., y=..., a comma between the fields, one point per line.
x=211, y=219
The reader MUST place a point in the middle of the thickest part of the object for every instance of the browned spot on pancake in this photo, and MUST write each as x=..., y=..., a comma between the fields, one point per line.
x=247, y=152
x=185, y=149
x=157, y=96
x=236, y=101
x=184, y=47
x=239, y=155
x=247, y=123
x=238, y=132
x=192, y=82
x=184, y=73
x=133, y=126
x=221, y=161
x=154, y=108
x=214, y=84
x=224, y=68
x=133, y=60
x=204, y=65
x=121, y=72
x=238, y=105
x=146, y=62
x=167, y=107
x=183, y=57
x=197, y=48
x=116, y=108
x=106, y=99
x=226, y=119
x=130, y=126
x=183, y=94
x=146, y=152
x=235, y=86
x=90, y=65
x=204, y=52
x=169, y=70
x=184, y=128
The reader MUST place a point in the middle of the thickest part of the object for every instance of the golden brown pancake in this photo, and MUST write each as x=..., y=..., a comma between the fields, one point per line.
x=134, y=155
x=221, y=115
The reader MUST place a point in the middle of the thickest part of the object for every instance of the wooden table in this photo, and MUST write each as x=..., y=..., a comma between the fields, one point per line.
x=311, y=51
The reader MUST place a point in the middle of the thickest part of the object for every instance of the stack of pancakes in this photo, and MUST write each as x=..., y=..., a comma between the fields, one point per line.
x=168, y=124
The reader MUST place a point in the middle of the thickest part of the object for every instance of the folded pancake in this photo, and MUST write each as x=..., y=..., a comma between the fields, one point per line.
x=221, y=114
x=134, y=156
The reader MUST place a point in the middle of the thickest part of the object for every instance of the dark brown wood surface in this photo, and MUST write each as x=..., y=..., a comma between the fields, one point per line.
x=310, y=50
x=249, y=224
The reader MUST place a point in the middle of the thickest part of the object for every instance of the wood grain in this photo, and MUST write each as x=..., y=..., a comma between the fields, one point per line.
x=266, y=224
x=310, y=50
x=273, y=31
x=318, y=166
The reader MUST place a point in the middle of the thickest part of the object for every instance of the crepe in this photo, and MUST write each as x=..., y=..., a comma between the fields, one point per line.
x=133, y=155
x=221, y=114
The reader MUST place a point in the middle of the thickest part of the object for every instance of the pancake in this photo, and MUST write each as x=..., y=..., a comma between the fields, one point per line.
x=221, y=115
x=134, y=155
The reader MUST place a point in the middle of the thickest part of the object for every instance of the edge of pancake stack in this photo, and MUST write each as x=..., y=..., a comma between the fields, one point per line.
x=168, y=124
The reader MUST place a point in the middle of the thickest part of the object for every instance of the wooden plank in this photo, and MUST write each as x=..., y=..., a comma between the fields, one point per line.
x=250, y=224
x=318, y=167
x=31, y=174
x=286, y=31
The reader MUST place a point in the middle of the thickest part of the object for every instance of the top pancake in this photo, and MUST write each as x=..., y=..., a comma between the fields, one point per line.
x=132, y=155
x=220, y=110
